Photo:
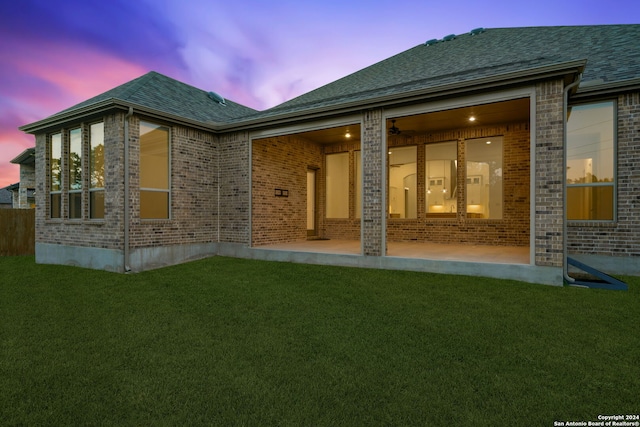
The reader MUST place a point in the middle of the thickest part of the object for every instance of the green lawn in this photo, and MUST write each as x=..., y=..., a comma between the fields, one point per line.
x=237, y=342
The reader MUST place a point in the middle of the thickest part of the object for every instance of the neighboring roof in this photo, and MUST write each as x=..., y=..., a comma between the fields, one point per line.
x=27, y=157
x=611, y=52
x=606, y=55
x=159, y=93
x=6, y=196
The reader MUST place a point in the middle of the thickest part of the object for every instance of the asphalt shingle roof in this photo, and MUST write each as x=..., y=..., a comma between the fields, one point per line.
x=157, y=91
x=612, y=53
x=6, y=196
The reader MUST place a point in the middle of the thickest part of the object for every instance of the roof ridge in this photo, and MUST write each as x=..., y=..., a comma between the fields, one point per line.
x=136, y=85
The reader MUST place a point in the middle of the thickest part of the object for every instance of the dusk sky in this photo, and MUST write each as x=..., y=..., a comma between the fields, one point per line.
x=54, y=54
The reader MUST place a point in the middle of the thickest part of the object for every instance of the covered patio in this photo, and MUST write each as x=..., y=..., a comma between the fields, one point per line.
x=414, y=250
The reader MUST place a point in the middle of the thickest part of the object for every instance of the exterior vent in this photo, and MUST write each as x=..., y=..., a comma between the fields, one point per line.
x=449, y=38
x=431, y=42
x=477, y=31
x=217, y=98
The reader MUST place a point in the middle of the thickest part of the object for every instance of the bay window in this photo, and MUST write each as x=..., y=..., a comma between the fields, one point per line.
x=96, y=171
x=75, y=173
x=55, y=176
x=78, y=174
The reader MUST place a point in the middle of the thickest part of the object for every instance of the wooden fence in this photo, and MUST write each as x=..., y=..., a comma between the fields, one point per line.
x=17, y=231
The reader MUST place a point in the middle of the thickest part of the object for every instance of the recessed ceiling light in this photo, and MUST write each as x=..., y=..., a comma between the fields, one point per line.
x=472, y=119
x=488, y=142
x=347, y=135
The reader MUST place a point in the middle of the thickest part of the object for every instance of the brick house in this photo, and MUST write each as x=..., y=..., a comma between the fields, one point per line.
x=497, y=152
x=24, y=191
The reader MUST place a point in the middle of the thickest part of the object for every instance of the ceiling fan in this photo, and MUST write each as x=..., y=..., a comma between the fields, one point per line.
x=393, y=130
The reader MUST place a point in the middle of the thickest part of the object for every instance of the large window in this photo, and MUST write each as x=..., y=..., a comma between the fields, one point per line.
x=55, y=175
x=154, y=171
x=484, y=178
x=75, y=173
x=337, y=185
x=78, y=173
x=442, y=186
x=358, y=166
x=441, y=173
x=403, y=183
x=96, y=171
x=590, y=162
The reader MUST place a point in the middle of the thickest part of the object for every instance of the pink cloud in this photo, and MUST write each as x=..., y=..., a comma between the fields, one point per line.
x=12, y=143
x=79, y=72
x=71, y=74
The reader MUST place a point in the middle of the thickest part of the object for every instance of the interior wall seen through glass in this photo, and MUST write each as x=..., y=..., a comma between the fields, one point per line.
x=337, y=185
x=484, y=194
x=442, y=177
x=403, y=183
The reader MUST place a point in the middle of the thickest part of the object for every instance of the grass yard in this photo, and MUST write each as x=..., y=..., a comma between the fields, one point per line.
x=237, y=342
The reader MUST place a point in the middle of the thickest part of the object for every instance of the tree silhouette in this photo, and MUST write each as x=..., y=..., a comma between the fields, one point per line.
x=97, y=166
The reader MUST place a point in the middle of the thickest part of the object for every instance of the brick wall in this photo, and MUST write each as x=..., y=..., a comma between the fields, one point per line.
x=282, y=163
x=27, y=180
x=622, y=237
x=514, y=227
x=234, y=185
x=193, y=201
x=103, y=233
x=373, y=206
x=550, y=171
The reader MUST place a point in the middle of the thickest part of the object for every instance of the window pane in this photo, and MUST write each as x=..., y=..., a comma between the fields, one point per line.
x=590, y=159
x=154, y=204
x=75, y=159
x=56, y=157
x=154, y=156
x=75, y=205
x=403, y=188
x=590, y=203
x=441, y=170
x=358, y=164
x=96, y=204
x=154, y=171
x=337, y=182
x=484, y=178
x=590, y=133
x=96, y=164
x=55, y=205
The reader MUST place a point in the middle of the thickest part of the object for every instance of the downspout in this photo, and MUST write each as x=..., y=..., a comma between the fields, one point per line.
x=565, y=118
x=127, y=267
